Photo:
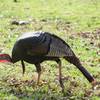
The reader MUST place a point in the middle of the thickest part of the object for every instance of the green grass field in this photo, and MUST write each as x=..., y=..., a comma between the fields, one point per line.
x=75, y=21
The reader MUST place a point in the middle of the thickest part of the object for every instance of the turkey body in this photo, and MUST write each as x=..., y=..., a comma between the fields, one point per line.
x=36, y=47
x=39, y=46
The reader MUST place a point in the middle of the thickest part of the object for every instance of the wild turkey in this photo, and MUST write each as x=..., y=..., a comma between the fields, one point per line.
x=36, y=47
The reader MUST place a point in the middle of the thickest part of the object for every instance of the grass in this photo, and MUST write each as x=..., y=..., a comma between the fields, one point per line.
x=75, y=21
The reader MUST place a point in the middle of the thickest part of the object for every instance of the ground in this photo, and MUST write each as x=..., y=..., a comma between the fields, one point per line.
x=75, y=21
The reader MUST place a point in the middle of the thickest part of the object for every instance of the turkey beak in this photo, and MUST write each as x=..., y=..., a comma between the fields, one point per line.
x=5, y=58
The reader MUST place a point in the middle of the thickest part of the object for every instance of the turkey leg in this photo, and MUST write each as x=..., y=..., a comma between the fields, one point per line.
x=38, y=68
x=60, y=75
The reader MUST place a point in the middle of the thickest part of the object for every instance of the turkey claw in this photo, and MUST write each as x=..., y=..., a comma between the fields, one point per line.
x=41, y=83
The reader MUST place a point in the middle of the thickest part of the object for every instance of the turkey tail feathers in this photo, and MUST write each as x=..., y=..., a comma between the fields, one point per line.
x=75, y=61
